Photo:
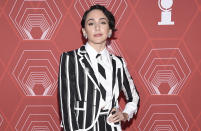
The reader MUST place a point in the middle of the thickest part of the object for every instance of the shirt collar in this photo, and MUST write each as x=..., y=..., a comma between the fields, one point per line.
x=93, y=53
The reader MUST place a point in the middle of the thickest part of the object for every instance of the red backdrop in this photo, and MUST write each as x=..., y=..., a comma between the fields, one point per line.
x=160, y=41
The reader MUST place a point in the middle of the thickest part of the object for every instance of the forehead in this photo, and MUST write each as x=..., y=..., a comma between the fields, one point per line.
x=96, y=14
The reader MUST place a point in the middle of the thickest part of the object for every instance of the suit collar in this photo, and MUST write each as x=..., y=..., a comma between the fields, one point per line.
x=82, y=51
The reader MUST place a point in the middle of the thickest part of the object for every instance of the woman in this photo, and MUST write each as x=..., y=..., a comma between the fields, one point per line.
x=90, y=79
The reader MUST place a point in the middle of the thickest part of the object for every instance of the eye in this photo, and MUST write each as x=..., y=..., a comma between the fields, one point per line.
x=90, y=24
x=103, y=22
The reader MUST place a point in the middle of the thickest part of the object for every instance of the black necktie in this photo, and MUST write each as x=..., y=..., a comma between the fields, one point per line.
x=101, y=69
x=102, y=73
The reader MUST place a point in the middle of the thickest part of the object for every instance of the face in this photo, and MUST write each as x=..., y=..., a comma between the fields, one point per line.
x=96, y=27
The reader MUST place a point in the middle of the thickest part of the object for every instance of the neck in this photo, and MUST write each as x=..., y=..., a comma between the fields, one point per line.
x=98, y=47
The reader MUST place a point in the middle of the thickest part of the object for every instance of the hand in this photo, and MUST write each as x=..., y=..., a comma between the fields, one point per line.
x=117, y=116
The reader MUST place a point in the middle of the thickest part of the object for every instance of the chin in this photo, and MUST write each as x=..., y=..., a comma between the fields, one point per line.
x=98, y=41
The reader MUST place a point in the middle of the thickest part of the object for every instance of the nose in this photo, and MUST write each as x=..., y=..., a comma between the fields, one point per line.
x=97, y=26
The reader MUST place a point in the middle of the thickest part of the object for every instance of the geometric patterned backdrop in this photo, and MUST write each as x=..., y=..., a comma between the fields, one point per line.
x=160, y=40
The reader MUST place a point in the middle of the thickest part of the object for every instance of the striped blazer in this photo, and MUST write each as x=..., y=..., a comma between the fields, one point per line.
x=79, y=91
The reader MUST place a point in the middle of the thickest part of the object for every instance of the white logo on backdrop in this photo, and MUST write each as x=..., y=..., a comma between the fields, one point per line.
x=166, y=14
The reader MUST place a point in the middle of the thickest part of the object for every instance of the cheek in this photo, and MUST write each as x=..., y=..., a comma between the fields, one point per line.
x=105, y=29
x=89, y=31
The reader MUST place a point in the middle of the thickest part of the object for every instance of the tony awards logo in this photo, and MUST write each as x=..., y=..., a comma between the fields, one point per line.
x=165, y=6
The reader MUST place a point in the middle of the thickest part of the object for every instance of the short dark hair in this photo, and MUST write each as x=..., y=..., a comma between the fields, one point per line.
x=107, y=13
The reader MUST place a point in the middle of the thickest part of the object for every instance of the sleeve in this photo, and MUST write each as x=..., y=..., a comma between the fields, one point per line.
x=130, y=92
x=67, y=93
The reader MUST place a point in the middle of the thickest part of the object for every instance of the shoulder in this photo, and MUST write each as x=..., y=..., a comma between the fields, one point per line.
x=68, y=56
x=69, y=53
x=119, y=59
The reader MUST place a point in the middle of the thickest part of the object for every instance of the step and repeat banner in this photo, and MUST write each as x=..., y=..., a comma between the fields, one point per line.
x=159, y=39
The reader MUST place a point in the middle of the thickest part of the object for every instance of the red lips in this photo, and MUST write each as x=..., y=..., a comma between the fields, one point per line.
x=98, y=35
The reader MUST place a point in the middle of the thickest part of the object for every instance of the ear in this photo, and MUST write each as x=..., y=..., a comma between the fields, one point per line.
x=110, y=31
x=83, y=31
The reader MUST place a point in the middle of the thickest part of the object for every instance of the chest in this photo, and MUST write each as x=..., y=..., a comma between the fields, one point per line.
x=88, y=78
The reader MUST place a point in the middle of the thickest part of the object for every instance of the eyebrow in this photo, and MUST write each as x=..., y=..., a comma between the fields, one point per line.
x=99, y=19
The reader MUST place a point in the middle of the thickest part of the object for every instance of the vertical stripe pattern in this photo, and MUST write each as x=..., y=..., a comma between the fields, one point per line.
x=80, y=92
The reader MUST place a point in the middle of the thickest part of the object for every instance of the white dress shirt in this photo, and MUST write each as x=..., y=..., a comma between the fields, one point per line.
x=105, y=61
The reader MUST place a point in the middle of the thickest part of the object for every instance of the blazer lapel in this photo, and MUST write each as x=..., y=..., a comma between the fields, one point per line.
x=85, y=62
x=113, y=72
x=115, y=79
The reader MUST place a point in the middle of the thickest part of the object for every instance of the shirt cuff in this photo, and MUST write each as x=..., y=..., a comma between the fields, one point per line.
x=130, y=109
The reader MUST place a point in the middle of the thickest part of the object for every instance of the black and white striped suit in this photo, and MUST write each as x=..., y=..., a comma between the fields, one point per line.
x=79, y=90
